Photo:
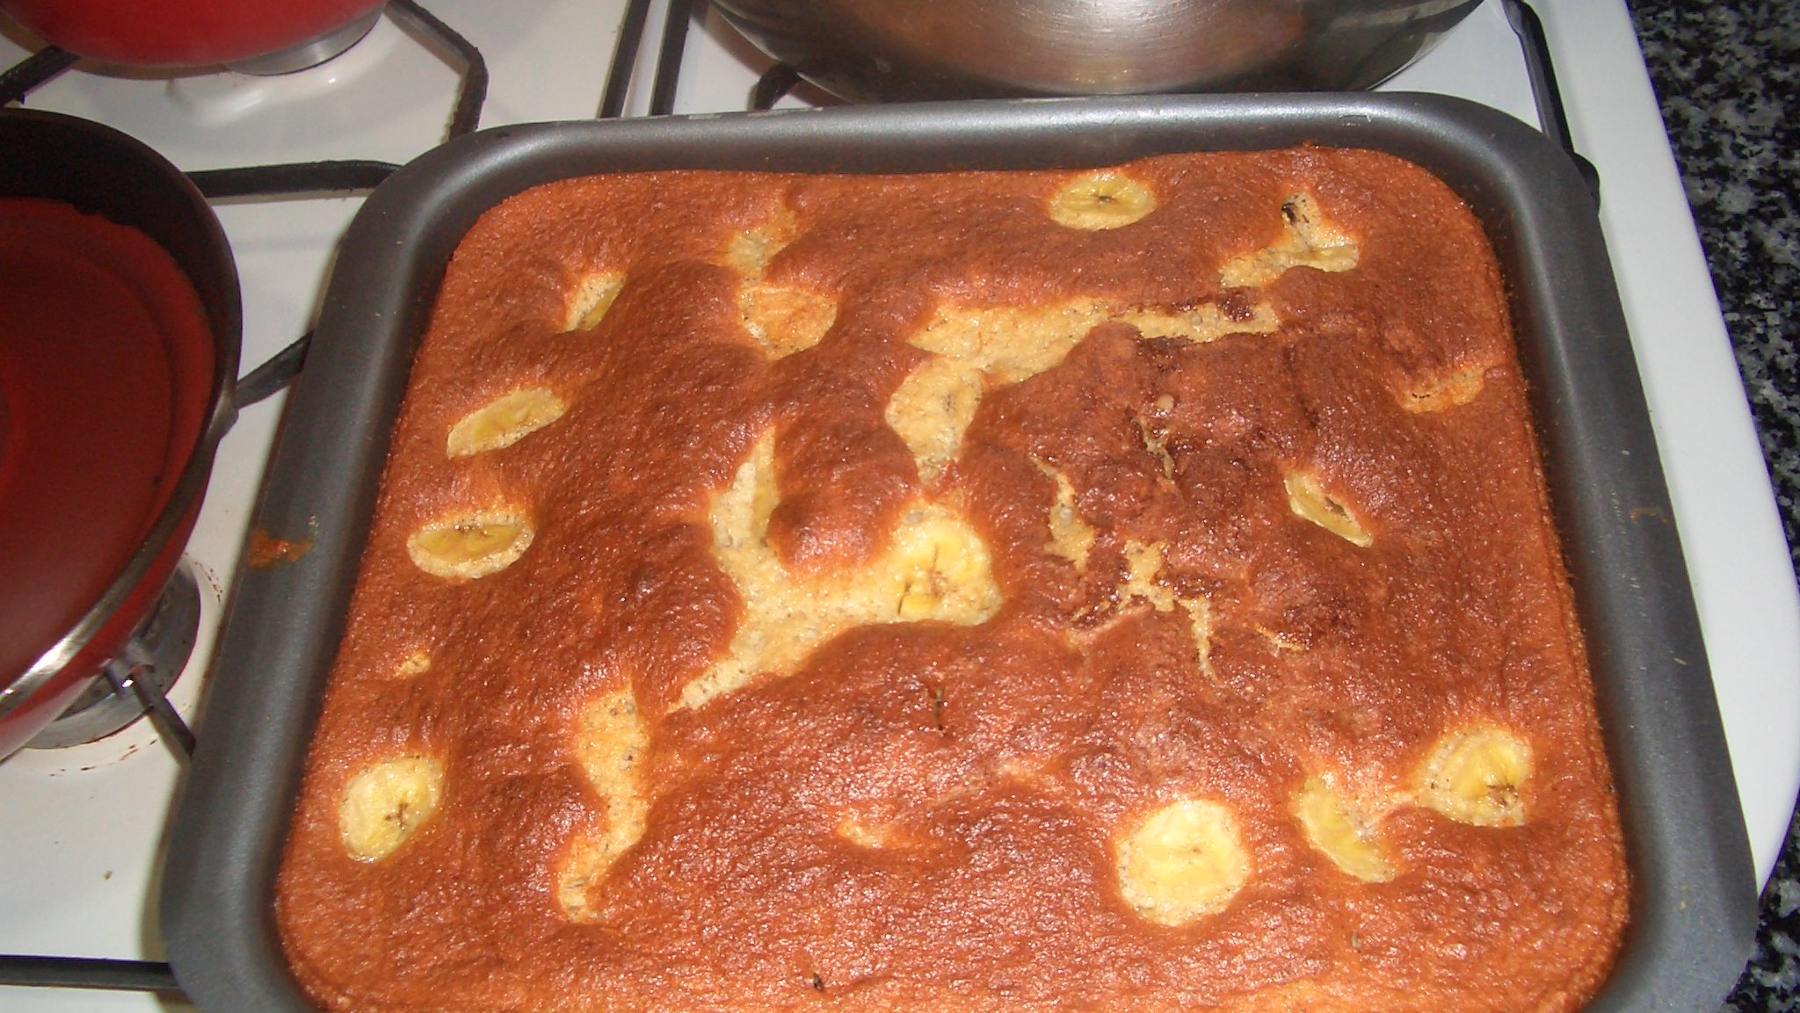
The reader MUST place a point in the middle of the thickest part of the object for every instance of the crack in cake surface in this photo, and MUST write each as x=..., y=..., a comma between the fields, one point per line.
x=610, y=742
x=1002, y=345
x=590, y=299
x=935, y=568
x=1014, y=343
x=1307, y=239
x=783, y=319
x=932, y=410
x=1071, y=537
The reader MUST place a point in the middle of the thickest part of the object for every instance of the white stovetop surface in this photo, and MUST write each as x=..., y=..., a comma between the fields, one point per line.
x=84, y=826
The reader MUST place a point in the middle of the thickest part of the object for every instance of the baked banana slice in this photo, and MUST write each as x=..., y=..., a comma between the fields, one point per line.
x=1342, y=830
x=1476, y=776
x=1105, y=199
x=471, y=545
x=1182, y=861
x=386, y=802
x=504, y=421
x=1310, y=500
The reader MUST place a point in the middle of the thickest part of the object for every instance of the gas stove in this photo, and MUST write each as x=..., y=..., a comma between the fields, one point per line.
x=87, y=824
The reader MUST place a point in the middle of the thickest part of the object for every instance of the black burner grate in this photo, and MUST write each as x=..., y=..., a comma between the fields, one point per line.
x=18, y=81
x=775, y=83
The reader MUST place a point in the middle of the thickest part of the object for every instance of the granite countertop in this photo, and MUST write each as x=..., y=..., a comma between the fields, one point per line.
x=1725, y=75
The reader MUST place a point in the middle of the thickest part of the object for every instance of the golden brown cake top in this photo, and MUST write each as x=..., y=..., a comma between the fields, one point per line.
x=1112, y=588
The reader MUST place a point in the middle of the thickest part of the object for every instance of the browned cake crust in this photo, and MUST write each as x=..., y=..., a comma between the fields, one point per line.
x=1124, y=589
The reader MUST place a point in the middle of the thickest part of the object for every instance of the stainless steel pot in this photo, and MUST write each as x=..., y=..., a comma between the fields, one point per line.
x=884, y=50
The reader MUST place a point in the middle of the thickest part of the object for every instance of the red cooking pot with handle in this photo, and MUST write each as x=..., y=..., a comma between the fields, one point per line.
x=119, y=328
x=164, y=33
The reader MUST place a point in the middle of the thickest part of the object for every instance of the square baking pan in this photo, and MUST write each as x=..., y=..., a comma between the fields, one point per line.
x=1692, y=901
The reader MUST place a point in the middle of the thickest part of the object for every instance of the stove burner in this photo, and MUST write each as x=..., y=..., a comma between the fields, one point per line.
x=310, y=54
x=135, y=680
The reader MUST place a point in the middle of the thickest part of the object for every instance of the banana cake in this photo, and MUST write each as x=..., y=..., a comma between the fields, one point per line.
x=1121, y=588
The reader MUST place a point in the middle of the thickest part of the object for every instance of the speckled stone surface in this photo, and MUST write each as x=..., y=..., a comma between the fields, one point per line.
x=1726, y=74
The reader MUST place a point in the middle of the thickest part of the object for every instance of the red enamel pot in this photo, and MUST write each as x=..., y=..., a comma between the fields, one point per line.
x=119, y=331
x=165, y=33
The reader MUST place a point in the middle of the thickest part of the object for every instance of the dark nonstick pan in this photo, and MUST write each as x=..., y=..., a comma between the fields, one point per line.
x=1693, y=900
